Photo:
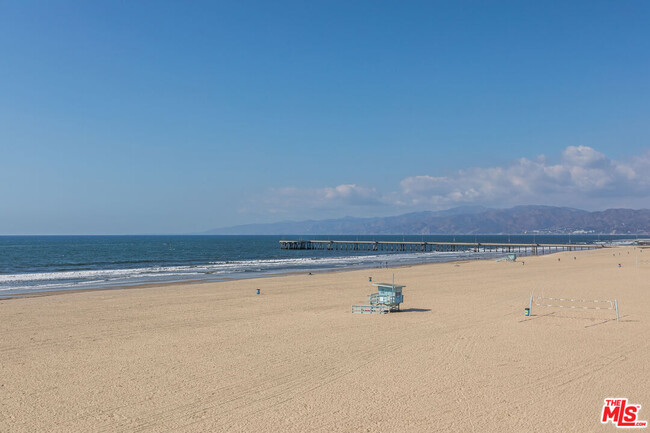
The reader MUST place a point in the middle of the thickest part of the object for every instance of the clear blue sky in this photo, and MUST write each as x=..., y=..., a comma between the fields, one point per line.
x=177, y=117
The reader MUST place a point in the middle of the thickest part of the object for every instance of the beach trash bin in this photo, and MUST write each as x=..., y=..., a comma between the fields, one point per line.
x=258, y=291
x=370, y=279
x=619, y=265
x=526, y=311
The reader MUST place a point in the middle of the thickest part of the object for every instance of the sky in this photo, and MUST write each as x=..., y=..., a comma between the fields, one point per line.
x=180, y=117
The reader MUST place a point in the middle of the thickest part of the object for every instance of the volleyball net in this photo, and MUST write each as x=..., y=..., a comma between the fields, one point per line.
x=573, y=303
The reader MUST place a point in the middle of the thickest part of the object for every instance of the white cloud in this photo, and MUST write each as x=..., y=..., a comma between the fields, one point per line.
x=349, y=193
x=583, y=178
x=327, y=198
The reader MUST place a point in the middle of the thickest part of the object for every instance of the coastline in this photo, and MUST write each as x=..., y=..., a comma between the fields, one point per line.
x=251, y=277
x=259, y=275
x=47, y=264
x=224, y=280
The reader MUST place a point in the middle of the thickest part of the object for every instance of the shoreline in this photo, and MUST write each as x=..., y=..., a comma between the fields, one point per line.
x=256, y=275
x=57, y=292
x=38, y=294
x=22, y=276
x=204, y=282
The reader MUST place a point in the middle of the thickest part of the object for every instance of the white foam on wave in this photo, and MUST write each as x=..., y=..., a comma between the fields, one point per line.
x=230, y=266
x=105, y=277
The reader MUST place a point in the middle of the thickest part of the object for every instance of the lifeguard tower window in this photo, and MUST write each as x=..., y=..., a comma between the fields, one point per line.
x=388, y=294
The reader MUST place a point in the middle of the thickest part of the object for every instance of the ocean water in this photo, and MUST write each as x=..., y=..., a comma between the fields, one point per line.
x=30, y=264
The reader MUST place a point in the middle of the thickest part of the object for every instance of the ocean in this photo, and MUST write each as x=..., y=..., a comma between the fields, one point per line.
x=31, y=264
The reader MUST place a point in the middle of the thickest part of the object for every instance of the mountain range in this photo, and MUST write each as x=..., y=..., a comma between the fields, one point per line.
x=465, y=220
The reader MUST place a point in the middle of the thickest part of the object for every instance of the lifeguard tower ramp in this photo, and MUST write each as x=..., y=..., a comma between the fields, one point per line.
x=387, y=299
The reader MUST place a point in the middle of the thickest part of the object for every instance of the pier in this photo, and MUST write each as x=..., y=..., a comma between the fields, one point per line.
x=403, y=246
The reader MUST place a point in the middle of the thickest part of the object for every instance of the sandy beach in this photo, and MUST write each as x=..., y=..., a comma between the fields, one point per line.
x=460, y=357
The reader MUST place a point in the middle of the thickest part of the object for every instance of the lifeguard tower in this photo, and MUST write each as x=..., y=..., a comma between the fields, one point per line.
x=386, y=300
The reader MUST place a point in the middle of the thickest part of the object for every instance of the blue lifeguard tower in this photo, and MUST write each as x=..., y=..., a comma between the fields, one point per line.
x=386, y=300
x=387, y=294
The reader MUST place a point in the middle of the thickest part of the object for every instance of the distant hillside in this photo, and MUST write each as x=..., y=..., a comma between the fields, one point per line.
x=465, y=220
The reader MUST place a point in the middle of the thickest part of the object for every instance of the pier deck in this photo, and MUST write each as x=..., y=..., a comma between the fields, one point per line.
x=430, y=246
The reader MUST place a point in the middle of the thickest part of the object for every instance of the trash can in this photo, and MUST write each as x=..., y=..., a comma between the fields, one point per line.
x=526, y=311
